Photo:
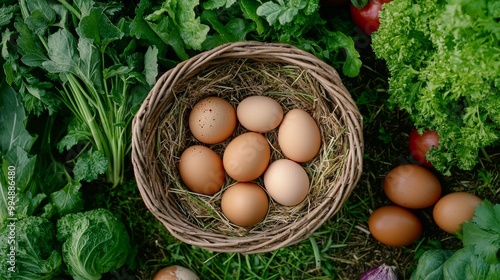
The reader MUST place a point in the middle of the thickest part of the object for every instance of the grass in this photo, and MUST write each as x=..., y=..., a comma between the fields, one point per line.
x=342, y=248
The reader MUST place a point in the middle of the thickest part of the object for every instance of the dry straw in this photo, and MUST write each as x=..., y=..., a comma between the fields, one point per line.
x=233, y=71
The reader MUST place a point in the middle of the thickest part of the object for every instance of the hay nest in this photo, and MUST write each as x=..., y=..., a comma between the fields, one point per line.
x=234, y=71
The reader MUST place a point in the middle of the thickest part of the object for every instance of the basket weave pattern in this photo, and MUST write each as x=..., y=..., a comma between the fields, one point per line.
x=330, y=104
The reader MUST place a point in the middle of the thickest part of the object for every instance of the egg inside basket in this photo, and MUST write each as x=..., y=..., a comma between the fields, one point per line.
x=295, y=83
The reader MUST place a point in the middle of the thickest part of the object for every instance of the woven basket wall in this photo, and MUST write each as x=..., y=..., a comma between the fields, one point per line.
x=156, y=190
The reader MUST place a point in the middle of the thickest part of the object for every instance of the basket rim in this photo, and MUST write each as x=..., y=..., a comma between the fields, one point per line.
x=146, y=167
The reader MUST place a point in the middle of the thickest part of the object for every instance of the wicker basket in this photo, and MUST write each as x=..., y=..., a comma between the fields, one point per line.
x=159, y=137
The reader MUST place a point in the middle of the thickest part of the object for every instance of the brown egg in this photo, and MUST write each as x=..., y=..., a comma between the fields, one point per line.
x=286, y=182
x=453, y=209
x=394, y=226
x=247, y=156
x=212, y=120
x=259, y=113
x=245, y=204
x=299, y=136
x=175, y=272
x=201, y=170
x=412, y=186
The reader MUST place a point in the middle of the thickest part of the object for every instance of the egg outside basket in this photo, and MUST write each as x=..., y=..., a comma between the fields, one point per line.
x=296, y=79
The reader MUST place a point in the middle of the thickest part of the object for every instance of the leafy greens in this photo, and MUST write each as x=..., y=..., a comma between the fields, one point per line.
x=91, y=66
x=175, y=24
x=443, y=57
x=37, y=256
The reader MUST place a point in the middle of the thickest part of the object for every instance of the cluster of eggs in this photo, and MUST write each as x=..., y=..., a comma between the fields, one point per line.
x=247, y=156
x=411, y=187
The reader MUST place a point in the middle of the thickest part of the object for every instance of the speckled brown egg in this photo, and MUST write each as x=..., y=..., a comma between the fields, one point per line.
x=201, y=170
x=212, y=120
x=412, y=186
x=454, y=209
x=245, y=204
x=394, y=226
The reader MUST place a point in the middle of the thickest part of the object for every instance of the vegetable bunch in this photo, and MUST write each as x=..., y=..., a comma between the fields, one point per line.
x=186, y=27
x=82, y=56
x=86, y=244
x=443, y=57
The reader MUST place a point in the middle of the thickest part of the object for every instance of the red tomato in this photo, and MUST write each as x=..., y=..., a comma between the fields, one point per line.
x=420, y=144
x=366, y=18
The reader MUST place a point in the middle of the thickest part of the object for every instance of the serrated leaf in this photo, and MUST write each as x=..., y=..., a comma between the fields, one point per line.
x=40, y=99
x=483, y=232
x=90, y=165
x=487, y=216
x=77, y=132
x=182, y=20
x=43, y=7
x=7, y=13
x=97, y=27
x=37, y=22
x=41, y=16
x=271, y=11
x=32, y=52
x=62, y=53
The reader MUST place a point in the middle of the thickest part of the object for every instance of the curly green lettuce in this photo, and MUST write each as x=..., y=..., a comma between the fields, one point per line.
x=444, y=64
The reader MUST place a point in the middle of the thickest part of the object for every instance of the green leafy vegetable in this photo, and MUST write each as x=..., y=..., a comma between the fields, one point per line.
x=34, y=250
x=282, y=12
x=297, y=22
x=93, y=73
x=173, y=24
x=12, y=121
x=94, y=242
x=430, y=264
x=17, y=196
x=464, y=264
x=68, y=199
x=483, y=232
x=89, y=165
x=215, y=4
x=444, y=66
